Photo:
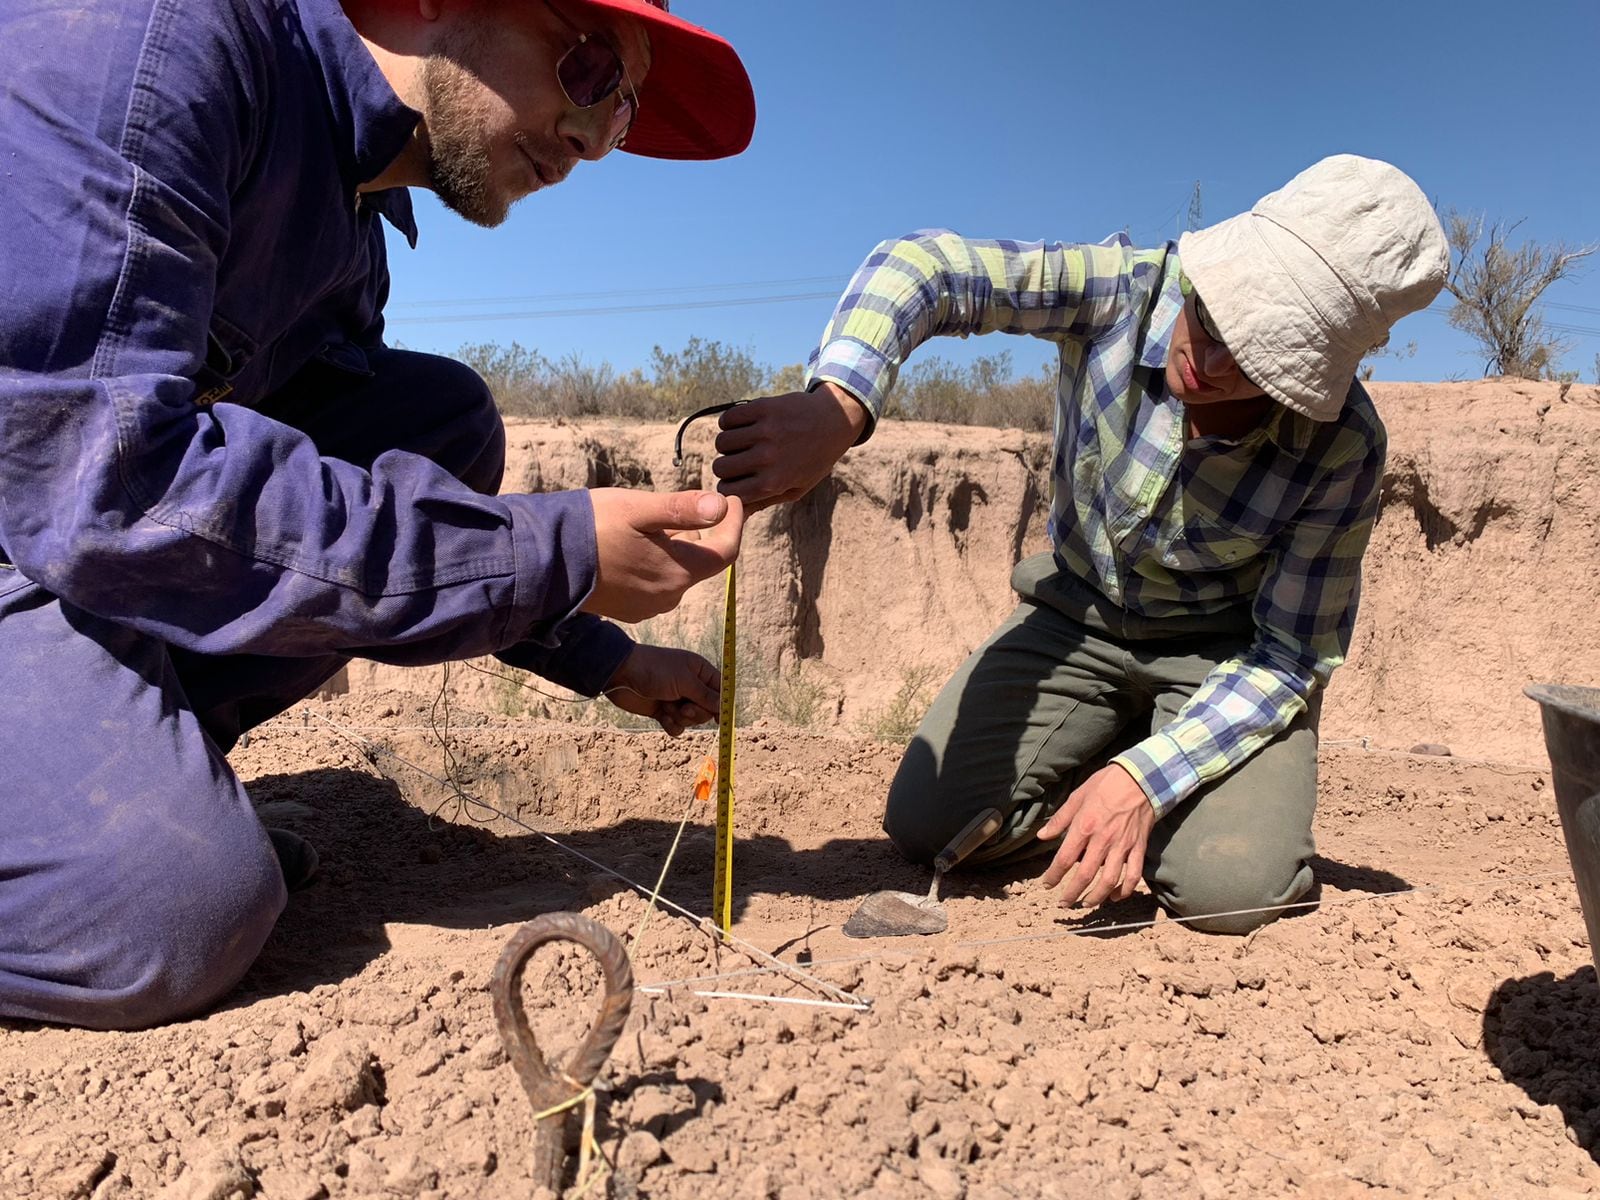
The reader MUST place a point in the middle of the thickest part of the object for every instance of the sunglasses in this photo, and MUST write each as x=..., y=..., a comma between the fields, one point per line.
x=592, y=70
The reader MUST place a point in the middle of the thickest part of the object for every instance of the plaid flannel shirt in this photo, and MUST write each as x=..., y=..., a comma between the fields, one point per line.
x=1160, y=523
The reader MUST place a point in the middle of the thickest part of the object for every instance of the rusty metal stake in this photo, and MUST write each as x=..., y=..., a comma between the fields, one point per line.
x=555, y=1097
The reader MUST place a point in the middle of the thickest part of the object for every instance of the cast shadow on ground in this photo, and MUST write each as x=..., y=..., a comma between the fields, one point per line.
x=1543, y=1033
x=387, y=860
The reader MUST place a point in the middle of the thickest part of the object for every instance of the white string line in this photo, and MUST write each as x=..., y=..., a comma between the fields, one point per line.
x=1094, y=930
x=746, y=971
x=654, y=989
x=700, y=922
x=779, y=966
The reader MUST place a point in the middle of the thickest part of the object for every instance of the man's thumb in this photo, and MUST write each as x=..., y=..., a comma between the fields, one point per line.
x=684, y=510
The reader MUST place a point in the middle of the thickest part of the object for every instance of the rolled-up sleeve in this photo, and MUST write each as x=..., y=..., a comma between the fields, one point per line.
x=937, y=283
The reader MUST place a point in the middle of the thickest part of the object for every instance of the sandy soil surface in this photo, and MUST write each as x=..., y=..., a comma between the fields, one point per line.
x=1429, y=1030
x=1432, y=1029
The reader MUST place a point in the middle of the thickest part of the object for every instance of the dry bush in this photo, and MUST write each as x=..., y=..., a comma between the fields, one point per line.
x=797, y=698
x=897, y=720
x=1497, y=289
x=527, y=384
x=980, y=393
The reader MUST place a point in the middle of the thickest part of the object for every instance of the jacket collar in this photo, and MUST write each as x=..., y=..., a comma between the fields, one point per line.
x=371, y=125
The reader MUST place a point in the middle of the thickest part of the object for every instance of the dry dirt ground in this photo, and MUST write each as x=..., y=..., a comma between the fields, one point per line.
x=1432, y=1029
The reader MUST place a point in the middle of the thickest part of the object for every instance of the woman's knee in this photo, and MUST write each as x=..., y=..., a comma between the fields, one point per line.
x=914, y=816
x=1236, y=898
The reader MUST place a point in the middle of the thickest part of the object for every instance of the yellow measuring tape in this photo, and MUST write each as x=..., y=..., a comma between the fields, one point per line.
x=722, y=869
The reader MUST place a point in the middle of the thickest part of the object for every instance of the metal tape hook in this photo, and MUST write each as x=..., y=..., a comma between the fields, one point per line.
x=709, y=411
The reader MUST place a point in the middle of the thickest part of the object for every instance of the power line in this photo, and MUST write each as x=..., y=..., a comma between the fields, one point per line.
x=1555, y=327
x=677, y=290
x=611, y=309
x=594, y=310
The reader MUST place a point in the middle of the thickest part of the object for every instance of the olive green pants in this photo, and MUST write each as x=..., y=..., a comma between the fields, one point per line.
x=1065, y=684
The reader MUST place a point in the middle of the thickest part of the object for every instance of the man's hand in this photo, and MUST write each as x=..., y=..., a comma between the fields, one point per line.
x=653, y=547
x=675, y=688
x=777, y=449
x=1107, y=822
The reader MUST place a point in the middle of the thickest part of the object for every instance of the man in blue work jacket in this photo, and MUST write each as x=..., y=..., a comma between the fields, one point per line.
x=217, y=484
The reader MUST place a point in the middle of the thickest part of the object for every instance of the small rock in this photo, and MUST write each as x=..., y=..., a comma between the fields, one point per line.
x=216, y=1175
x=983, y=1071
x=475, y=1154
x=650, y=1109
x=696, y=1159
x=941, y=1179
x=812, y=1098
x=1210, y=1020
x=337, y=1076
x=960, y=961
x=363, y=1123
x=771, y=1091
x=1434, y=748
x=639, y=1152
x=1016, y=1104
x=283, y=1183
x=1072, y=997
x=1143, y=1067
x=287, y=1042
x=1075, y=1084
x=427, y=1060
x=487, y=1053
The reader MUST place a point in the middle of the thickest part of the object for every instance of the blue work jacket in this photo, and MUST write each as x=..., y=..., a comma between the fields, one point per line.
x=180, y=232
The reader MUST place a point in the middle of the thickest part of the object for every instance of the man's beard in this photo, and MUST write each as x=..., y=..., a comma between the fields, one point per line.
x=460, y=169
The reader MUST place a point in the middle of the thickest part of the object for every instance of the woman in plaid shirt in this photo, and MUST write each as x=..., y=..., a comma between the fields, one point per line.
x=1150, y=707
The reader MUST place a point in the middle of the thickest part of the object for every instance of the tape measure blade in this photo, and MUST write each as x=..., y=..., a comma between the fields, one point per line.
x=722, y=870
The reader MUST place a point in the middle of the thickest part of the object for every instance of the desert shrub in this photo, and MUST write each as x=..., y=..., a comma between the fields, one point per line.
x=897, y=720
x=797, y=698
x=981, y=393
x=525, y=383
x=1497, y=288
x=704, y=373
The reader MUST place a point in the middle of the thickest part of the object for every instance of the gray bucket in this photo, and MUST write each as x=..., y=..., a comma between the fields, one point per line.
x=1572, y=737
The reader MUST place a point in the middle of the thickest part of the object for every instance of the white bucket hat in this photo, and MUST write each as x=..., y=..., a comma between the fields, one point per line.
x=1303, y=285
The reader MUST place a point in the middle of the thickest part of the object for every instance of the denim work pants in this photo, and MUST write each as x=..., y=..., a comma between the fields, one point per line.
x=136, y=883
x=1063, y=686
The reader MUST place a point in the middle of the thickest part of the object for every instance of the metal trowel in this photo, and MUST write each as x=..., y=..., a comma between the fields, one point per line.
x=898, y=914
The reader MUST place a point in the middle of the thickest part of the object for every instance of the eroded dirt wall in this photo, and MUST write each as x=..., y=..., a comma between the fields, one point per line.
x=1480, y=579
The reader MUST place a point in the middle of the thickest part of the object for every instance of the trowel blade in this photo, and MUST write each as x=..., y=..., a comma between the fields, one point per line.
x=896, y=914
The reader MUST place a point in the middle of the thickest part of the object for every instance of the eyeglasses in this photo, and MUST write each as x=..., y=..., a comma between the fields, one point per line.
x=592, y=70
x=1206, y=322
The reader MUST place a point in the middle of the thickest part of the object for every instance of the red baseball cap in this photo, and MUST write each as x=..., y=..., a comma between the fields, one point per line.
x=697, y=101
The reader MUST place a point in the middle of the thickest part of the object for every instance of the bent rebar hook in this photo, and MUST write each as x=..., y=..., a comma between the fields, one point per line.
x=709, y=411
x=553, y=1095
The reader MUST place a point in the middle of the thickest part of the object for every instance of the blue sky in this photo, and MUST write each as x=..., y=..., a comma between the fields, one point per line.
x=1059, y=120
